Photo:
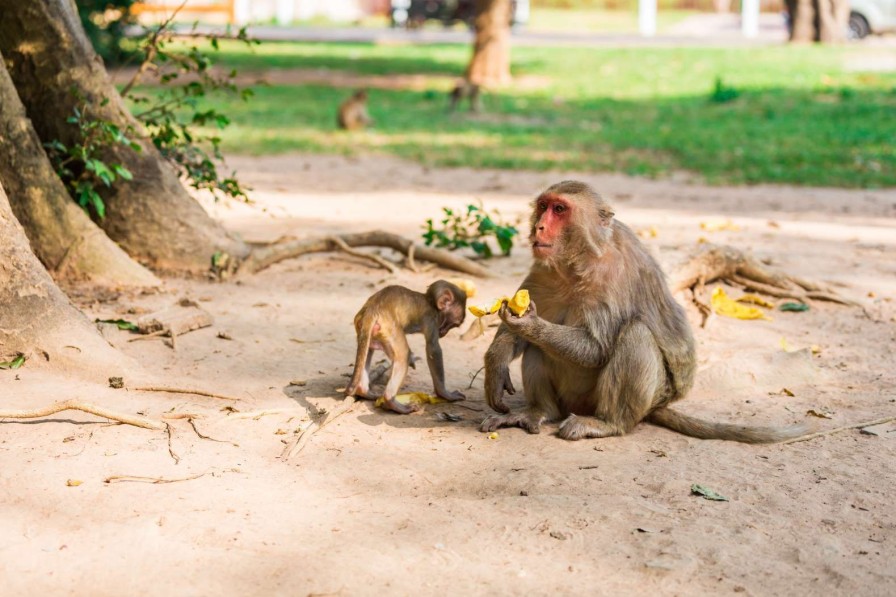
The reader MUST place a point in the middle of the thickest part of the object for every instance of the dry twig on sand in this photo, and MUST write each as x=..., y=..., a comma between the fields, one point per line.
x=182, y=391
x=153, y=480
x=297, y=444
x=804, y=438
x=86, y=407
x=265, y=256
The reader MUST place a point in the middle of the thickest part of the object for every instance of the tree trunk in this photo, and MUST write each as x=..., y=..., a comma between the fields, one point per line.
x=490, y=64
x=152, y=217
x=37, y=319
x=818, y=20
x=62, y=236
x=833, y=20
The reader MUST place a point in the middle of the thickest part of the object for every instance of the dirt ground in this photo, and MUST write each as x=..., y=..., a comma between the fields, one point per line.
x=378, y=503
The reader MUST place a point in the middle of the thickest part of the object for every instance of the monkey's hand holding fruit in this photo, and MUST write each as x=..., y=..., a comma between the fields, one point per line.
x=521, y=325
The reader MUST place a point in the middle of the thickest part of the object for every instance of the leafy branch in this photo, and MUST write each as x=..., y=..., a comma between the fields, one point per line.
x=470, y=227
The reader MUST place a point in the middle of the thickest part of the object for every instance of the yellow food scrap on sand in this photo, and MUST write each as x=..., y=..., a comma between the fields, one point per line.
x=719, y=225
x=518, y=303
x=493, y=435
x=73, y=482
x=468, y=286
x=412, y=398
x=723, y=305
x=756, y=300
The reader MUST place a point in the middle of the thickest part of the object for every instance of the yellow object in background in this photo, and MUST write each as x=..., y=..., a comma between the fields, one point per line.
x=468, y=286
x=518, y=303
x=756, y=300
x=719, y=225
x=723, y=305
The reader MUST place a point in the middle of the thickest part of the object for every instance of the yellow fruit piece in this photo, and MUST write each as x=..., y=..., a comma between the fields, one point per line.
x=73, y=482
x=756, y=300
x=718, y=225
x=518, y=304
x=493, y=435
x=723, y=305
x=477, y=311
x=468, y=286
x=412, y=398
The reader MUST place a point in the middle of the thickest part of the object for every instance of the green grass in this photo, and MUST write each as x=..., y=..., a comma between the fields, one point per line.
x=797, y=115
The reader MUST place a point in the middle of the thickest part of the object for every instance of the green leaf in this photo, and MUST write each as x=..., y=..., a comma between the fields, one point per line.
x=707, y=493
x=122, y=172
x=123, y=324
x=15, y=363
x=793, y=307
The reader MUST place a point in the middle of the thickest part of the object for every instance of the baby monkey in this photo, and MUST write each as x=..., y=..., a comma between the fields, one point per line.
x=382, y=324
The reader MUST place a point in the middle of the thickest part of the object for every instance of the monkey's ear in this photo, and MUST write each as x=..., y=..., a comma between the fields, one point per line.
x=445, y=299
x=606, y=216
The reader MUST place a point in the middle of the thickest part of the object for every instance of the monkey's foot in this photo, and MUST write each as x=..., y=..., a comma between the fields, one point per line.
x=575, y=428
x=396, y=406
x=528, y=420
x=358, y=392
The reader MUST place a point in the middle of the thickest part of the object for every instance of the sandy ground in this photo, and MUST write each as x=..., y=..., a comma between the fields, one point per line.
x=378, y=503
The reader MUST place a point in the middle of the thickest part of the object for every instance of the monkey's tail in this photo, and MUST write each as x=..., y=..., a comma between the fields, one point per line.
x=360, y=361
x=701, y=429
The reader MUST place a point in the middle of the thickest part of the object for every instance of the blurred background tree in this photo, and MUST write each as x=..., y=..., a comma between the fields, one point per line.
x=106, y=22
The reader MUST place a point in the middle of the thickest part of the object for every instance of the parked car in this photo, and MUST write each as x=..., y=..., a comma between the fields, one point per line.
x=871, y=16
x=414, y=13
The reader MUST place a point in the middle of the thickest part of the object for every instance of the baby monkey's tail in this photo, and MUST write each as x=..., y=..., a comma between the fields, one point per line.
x=701, y=429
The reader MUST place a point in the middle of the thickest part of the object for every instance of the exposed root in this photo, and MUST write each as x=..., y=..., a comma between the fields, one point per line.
x=263, y=257
x=183, y=391
x=726, y=263
x=86, y=407
x=369, y=256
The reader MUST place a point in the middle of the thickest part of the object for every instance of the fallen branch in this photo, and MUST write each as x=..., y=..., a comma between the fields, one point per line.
x=839, y=429
x=722, y=262
x=86, y=407
x=305, y=434
x=183, y=391
x=263, y=257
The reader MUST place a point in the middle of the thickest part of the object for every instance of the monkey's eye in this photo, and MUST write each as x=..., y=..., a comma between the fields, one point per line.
x=542, y=205
x=559, y=209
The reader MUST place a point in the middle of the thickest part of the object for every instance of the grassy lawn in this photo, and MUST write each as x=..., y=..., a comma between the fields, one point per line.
x=799, y=115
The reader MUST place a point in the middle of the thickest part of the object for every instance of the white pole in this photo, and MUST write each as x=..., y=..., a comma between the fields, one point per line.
x=647, y=17
x=749, y=20
x=242, y=12
x=285, y=12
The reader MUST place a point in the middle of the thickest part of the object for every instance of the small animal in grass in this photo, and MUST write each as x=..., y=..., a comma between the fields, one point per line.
x=353, y=112
x=383, y=322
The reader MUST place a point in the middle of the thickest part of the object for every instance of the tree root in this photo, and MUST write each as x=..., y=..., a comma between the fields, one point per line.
x=726, y=263
x=265, y=256
x=87, y=408
x=153, y=480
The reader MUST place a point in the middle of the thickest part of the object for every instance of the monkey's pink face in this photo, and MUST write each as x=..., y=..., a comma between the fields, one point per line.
x=552, y=213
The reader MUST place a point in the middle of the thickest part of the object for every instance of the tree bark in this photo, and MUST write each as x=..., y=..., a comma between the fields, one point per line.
x=490, y=64
x=833, y=20
x=152, y=217
x=37, y=319
x=62, y=236
x=824, y=21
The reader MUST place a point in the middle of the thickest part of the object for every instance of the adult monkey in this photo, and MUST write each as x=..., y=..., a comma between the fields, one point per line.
x=609, y=346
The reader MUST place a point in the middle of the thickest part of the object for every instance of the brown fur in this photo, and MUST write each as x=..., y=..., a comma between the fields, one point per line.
x=353, y=112
x=608, y=346
x=386, y=318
